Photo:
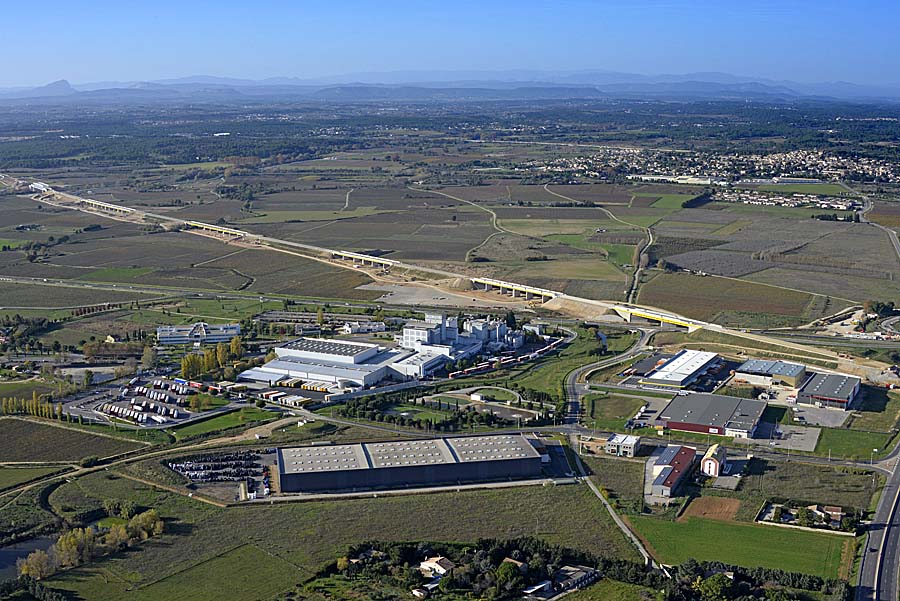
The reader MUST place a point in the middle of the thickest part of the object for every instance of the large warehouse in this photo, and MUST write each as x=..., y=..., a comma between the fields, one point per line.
x=681, y=370
x=713, y=414
x=409, y=463
x=764, y=372
x=829, y=390
x=349, y=364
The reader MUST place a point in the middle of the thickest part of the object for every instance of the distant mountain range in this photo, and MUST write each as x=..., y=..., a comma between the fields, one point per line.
x=433, y=86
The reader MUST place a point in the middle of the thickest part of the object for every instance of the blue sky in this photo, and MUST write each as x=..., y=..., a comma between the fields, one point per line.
x=99, y=40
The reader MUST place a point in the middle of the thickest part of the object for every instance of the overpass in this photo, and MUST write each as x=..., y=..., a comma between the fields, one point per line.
x=515, y=290
x=362, y=258
x=628, y=313
x=105, y=206
x=217, y=229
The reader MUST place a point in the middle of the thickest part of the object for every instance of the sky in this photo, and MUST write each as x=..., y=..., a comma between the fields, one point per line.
x=120, y=40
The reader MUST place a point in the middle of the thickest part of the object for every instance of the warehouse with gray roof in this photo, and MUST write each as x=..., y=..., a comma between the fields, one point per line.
x=829, y=390
x=408, y=463
x=713, y=414
x=765, y=372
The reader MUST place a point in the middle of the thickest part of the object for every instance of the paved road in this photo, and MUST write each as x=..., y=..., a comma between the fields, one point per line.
x=575, y=389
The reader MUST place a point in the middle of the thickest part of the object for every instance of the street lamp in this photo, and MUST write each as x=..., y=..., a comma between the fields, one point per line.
x=872, y=456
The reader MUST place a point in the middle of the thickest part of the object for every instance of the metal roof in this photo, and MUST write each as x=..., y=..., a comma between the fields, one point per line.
x=329, y=347
x=771, y=368
x=683, y=366
x=379, y=455
x=831, y=386
x=714, y=410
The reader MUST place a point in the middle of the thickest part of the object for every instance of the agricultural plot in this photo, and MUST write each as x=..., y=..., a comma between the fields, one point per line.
x=311, y=534
x=885, y=213
x=36, y=295
x=12, y=476
x=273, y=272
x=749, y=545
x=425, y=234
x=22, y=440
x=602, y=194
x=704, y=298
x=25, y=389
x=838, y=286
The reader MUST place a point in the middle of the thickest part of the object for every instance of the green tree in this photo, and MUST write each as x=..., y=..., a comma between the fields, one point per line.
x=88, y=378
x=149, y=358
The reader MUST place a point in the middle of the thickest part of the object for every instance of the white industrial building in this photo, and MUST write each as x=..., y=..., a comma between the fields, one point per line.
x=363, y=327
x=424, y=347
x=682, y=369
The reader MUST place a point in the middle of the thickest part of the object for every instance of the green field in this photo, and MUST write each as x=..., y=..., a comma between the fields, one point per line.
x=612, y=590
x=233, y=419
x=22, y=440
x=749, y=545
x=852, y=444
x=610, y=411
x=24, y=389
x=309, y=535
x=11, y=476
x=246, y=572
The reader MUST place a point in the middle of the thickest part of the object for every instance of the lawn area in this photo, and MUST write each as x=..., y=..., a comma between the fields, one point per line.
x=878, y=411
x=11, y=476
x=610, y=411
x=612, y=590
x=23, y=389
x=851, y=444
x=749, y=545
x=25, y=440
x=232, y=419
x=629, y=392
x=498, y=394
x=308, y=535
x=418, y=411
x=549, y=374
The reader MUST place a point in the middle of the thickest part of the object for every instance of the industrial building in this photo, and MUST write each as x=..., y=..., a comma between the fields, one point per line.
x=684, y=368
x=622, y=445
x=829, y=390
x=331, y=362
x=671, y=468
x=424, y=347
x=763, y=372
x=408, y=463
x=712, y=414
x=198, y=333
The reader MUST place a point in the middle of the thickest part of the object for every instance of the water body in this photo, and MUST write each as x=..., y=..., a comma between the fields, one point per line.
x=9, y=555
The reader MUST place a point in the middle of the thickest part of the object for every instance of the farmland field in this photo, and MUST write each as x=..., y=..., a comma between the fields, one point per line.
x=749, y=545
x=311, y=534
x=36, y=295
x=24, y=389
x=11, y=476
x=705, y=298
x=23, y=440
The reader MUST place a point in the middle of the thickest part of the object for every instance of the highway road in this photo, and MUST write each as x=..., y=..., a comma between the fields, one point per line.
x=868, y=205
